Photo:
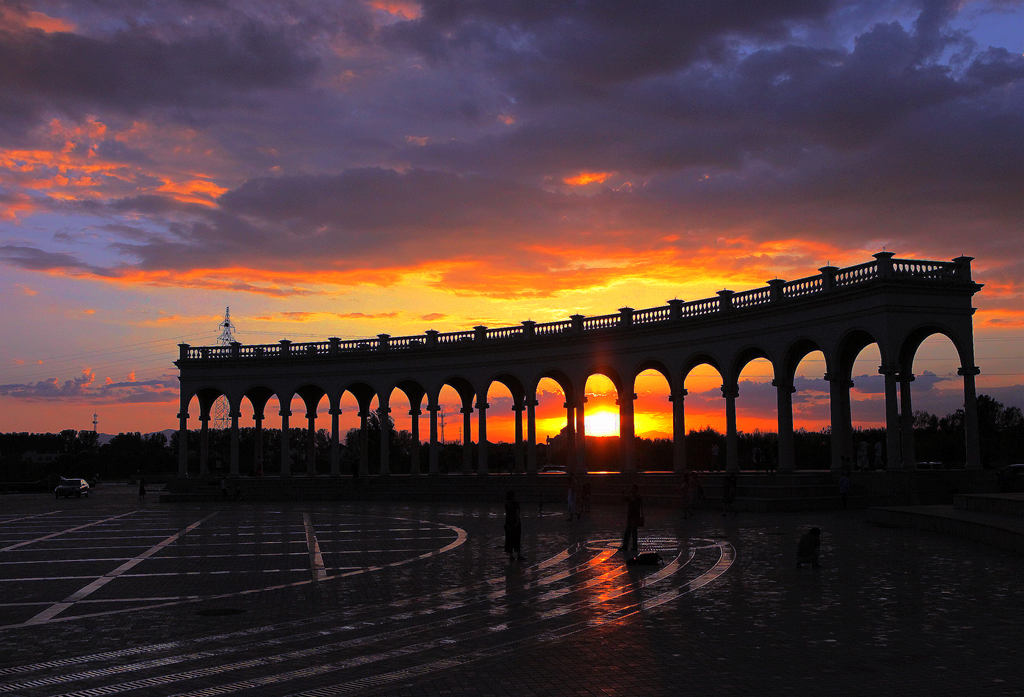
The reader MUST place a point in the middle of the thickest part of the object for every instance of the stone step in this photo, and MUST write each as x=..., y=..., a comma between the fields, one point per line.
x=999, y=530
x=1005, y=504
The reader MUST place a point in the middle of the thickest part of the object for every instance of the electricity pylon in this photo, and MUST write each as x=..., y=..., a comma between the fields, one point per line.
x=221, y=412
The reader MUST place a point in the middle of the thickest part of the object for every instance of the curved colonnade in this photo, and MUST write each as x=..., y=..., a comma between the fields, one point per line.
x=894, y=303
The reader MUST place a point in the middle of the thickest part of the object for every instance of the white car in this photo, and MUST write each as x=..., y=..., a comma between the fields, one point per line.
x=71, y=487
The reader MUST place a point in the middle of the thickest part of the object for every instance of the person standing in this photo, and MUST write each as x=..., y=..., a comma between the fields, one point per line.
x=634, y=521
x=142, y=490
x=513, y=528
x=808, y=548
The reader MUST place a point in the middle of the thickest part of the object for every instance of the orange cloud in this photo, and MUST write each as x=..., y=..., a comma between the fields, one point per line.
x=14, y=18
x=584, y=178
x=201, y=191
x=403, y=9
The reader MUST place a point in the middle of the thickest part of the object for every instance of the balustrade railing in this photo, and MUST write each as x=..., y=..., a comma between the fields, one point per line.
x=934, y=270
x=856, y=274
x=652, y=315
x=552, y=328
x=830, y=279
x=751, y=298
x=803, y=286
x=601, y=322
x=700, y=308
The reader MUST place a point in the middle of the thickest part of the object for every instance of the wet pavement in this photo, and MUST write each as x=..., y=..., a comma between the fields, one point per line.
x=105, y=595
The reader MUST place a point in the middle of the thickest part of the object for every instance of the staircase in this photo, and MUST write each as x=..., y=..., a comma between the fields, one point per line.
x=993, y=519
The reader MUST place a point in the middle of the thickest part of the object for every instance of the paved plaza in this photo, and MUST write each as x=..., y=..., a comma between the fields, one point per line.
x=107, y=595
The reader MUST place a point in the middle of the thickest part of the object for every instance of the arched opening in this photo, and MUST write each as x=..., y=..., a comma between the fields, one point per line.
x=811, y=415
x=311, y=442
x=601, y=424
x=705, y=416
x=348, y=433
x=933, y=428
x=501, y=427
x=757, y=416
x=400, y=445
x=867, y=409
x=554, y=432
x=450, y=424
x=653, y=421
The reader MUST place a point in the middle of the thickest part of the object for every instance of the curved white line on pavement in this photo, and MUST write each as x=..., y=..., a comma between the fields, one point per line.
x=460, y=538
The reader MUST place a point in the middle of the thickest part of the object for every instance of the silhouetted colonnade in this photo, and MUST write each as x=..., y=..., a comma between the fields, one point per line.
x=896, y=303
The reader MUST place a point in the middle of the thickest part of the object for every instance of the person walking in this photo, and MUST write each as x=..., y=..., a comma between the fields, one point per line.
x=513, y=528
x=634, y=521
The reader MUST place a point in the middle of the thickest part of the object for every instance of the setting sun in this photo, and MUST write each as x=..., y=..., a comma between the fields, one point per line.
x=602, y=423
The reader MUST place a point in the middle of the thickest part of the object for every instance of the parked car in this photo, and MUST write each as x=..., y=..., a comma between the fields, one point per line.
x=1011, y=478
x=553, y=469
x=71, y=487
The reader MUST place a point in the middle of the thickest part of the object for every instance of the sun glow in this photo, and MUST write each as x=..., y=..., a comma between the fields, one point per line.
x=602, y=423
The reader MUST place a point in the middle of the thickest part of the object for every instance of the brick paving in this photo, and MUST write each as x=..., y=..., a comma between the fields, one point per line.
x=107, y=596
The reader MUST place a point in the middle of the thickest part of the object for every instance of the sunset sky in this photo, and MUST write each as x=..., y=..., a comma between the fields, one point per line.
x=346, y=168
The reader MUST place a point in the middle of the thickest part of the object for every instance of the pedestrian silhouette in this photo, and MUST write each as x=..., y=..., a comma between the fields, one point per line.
x=808, y=547
x=634, y=521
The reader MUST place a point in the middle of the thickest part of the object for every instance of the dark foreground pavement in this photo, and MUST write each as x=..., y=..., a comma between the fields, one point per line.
x=105, y=596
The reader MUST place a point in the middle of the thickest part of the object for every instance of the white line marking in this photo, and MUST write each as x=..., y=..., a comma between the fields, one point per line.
x=460, y=539
x=63, y=532
x=57, y=608
x=316, y=559
x=26, y=517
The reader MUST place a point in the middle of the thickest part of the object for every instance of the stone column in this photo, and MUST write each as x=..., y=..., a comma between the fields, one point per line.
x=434, y=455
x=784, y=405
x=286, y=455
x=364, y=442
x=531, y=435
x=385, y=437
x=839, y=407
x=467, y=439
x=570, y=436
x=481, y=419
x=907, y=422
x=892, y=418
x=732, y=461
x=678, y=430
x=518, y=455
x=627, y=432
x=204, y=445
x=183, y=443
x=414, y=454
x=335, y=440
x=310, y=443
x=581, y=435
x=971, y=437
x=233, y=466
x=257, y=452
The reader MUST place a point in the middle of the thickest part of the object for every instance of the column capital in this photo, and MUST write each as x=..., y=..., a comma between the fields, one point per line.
x=905, y=377
x=284, y=412
x=334, y=411
x=519, y=406
x=831, y=377
x=183, y=415
x=783, y=386
x=258, y=416
x=415, y=412
x=481, y=406
x=434, y=407
x=383, y=410
x=968, y=370
x=311, y=415
x=204, y=418
x=730, y=391
x=235, y=415
x=678, y=395
x=466, y=410
x=888, y=370
x=531, y=402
